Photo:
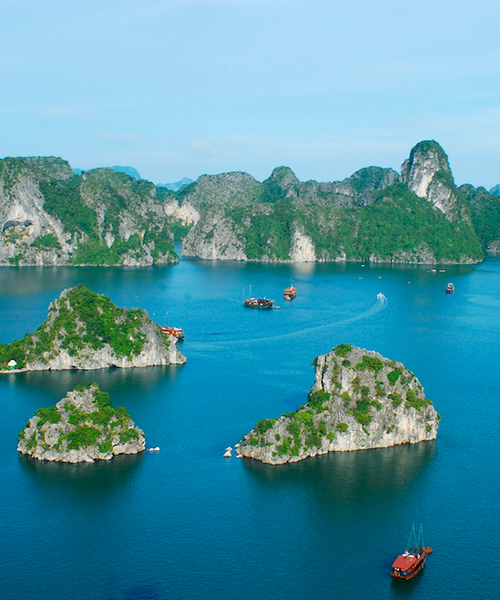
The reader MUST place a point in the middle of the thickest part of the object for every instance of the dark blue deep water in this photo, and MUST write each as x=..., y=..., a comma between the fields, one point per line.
x=185, y=523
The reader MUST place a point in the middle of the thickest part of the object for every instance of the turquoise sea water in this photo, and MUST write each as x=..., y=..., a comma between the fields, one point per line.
x=185, y=523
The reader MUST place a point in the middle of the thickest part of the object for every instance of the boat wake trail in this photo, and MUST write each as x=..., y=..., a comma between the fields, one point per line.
x=378, y=310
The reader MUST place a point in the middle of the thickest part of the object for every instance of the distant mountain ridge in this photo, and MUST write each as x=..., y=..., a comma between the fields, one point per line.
x=50, y=216
x=377, y=215
x=175, y=187
x=128, y=170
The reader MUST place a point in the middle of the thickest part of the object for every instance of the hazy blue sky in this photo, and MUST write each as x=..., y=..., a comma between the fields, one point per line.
x=179, y=89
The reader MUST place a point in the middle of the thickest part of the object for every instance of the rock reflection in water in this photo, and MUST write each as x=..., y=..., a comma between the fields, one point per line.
x=348, y=475
x=59, y=382
x=100, y=481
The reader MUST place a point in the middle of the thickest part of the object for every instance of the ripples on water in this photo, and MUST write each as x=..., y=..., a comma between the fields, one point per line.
x=185, y=523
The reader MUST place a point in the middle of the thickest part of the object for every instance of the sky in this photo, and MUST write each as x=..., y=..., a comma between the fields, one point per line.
x=179, y=89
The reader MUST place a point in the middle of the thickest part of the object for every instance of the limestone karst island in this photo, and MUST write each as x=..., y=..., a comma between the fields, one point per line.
x=85, y=330
x=82, y=427
x=50, y=215
x=359, y=400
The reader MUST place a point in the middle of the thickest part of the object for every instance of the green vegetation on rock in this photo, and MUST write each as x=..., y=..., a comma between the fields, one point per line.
x=349, y=396
x=78, y=321
x=47, y=242
x=372, y=216
x=343, y=350
x=86, y=421
x=101, y=217
x=370, y=362
x=485, y=213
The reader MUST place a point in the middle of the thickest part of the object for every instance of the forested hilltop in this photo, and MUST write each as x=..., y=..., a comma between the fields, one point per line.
x=85, y=331
x=377, y=214
x=359, y=400
x=51, y=216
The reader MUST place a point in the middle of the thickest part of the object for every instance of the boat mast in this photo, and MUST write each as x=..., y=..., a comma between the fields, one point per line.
x=412, y=539
x=420, y=541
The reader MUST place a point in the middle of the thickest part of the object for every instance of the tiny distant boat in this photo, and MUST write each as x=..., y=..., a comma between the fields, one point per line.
x=258, y=303
x=177, y=332
x=450, y=288
x=412, y=561
x=290, y=292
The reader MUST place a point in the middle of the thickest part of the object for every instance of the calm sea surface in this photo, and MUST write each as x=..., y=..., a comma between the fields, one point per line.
x=185, y=523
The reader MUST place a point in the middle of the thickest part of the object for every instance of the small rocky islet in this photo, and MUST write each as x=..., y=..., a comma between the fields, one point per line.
x=82, y=427
x=359, y=400
x=86, y=331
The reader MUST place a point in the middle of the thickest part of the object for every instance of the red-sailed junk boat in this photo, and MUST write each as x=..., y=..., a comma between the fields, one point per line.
x=290, y=292
x=408, y=564
x=175, y=331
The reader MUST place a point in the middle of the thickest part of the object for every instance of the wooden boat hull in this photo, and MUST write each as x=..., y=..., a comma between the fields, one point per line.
x=257, y=306
x=412, y=572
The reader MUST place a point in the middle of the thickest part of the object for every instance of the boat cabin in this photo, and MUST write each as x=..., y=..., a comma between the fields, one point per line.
x=408, y=564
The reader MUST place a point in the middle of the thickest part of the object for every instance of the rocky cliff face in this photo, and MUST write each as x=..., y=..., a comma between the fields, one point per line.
x=359, y=400
x=50, y=216
x=371, y=216
x=204, y=203
x=85, y=330
x=214, y=236
x=485, y=215
x=426, y=159
x=427, y=173
x=82, y=427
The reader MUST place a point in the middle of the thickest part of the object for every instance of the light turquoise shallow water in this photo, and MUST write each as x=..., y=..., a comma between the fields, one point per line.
x=185, y=523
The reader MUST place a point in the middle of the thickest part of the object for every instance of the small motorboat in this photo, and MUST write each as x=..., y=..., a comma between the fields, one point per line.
x=450, y=288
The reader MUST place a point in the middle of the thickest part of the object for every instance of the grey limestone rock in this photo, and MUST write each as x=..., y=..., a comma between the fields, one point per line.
x=85, y=331
x=427, y=173
x=113, y=220
x=359, y=400
x=82, y=427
